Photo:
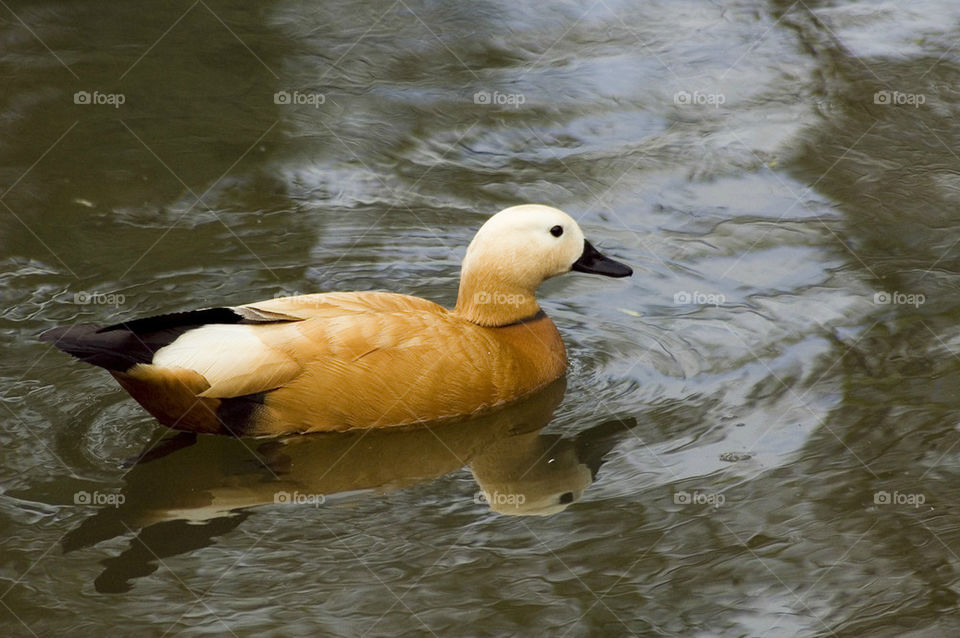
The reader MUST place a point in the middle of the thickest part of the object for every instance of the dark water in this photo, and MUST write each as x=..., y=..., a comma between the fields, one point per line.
x=759, y=431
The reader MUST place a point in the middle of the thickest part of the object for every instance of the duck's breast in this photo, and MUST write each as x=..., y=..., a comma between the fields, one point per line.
x=533, y=355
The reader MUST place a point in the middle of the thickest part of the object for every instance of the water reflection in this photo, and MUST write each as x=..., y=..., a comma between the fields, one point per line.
x=186, y=491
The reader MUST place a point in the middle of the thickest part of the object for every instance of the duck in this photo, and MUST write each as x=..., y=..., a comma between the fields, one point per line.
x=338, y=361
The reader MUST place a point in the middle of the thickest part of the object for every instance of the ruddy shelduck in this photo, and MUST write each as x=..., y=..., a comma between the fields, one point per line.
x=342, y=360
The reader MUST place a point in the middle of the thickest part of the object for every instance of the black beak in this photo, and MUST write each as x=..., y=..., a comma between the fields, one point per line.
x=593, y=261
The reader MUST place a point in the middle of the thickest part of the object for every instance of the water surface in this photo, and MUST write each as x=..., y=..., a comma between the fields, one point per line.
x=758, y=432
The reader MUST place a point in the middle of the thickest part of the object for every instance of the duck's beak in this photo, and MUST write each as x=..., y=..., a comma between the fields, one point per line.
x=593, y=261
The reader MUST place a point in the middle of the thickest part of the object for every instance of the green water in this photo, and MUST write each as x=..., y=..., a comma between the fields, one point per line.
x=758, y=431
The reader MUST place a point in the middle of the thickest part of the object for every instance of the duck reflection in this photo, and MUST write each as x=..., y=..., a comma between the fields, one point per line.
x=188, y=489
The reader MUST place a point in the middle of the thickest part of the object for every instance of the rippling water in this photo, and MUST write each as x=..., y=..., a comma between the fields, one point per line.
x=758, y=433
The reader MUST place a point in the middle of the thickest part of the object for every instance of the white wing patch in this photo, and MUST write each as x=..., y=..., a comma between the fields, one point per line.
x=232, y=359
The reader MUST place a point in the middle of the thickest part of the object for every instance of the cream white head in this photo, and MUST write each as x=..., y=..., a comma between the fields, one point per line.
x=514, y=252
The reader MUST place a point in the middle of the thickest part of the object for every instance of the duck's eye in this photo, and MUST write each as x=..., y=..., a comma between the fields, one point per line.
x=556, y=231
x=566, y=497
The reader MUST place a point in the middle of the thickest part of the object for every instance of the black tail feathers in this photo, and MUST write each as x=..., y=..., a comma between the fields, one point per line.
x=121, y=346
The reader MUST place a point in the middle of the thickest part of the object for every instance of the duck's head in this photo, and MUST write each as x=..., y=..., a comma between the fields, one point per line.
x=531, y=474
x=514, y=252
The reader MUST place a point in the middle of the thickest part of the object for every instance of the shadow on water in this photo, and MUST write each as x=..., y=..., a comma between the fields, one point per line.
x=187, y=490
